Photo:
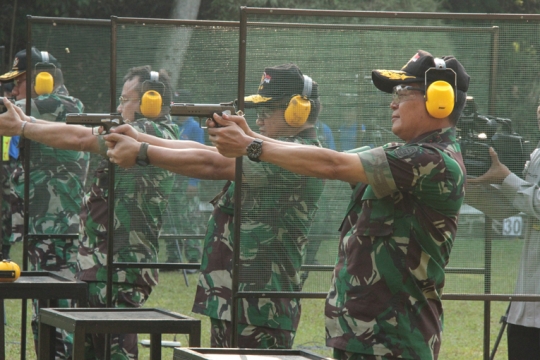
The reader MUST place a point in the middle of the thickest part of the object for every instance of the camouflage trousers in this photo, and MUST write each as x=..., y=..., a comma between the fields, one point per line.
x=123, y=346
x=249, y=336
x=346, y=355
x=58, y=256
x=7, y=169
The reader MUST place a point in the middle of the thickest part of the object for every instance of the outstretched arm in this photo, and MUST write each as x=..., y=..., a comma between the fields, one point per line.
x=57, y=135
x=232, y=141
x=128, y=130
x=199, y=163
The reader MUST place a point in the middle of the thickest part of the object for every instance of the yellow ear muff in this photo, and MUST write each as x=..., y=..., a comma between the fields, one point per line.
x=297, y=111
x=151, y=104
x=440, y=99
x=44, y=83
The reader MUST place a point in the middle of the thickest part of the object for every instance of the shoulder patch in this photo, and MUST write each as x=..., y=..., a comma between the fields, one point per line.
x=405, y=151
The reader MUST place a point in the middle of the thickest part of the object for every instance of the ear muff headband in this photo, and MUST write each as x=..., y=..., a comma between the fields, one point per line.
x=151, y=101
x=299, y=107
x=440, y=95
x=44, y=82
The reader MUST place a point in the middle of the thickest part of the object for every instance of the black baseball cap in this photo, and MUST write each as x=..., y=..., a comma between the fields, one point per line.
x=414, y=71
x=19, y=63
x=278, y=82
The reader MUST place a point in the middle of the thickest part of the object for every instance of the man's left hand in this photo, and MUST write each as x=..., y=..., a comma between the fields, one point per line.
x=123, y=149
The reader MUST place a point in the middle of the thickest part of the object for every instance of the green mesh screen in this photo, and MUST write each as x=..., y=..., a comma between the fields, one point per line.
x=199, y=59
x=339, y=54
x=58, y=177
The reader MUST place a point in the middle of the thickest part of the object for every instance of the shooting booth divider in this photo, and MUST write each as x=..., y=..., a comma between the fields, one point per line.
x=55, y=180
x=220, y=61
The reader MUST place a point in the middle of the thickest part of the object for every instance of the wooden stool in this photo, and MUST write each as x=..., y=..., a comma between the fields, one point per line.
x=82, y=321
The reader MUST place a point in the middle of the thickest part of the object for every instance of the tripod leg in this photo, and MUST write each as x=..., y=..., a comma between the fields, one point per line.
x=501, y=332
x=181, y=260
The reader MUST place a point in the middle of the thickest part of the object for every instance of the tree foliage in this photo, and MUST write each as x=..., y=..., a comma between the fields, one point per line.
x=229, y=9
x=492, y=6
x=13, y=14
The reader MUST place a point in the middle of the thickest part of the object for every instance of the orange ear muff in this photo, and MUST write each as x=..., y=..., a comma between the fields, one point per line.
x=151, y=104
x=297, y=111
x=440, y=99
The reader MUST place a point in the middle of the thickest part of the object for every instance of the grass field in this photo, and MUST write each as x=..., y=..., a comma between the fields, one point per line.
x=462, y=338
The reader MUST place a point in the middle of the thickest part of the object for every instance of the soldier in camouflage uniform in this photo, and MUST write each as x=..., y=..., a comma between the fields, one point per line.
x=278, y=205
x=385, y=297
x=140, y=199
x=56, y=185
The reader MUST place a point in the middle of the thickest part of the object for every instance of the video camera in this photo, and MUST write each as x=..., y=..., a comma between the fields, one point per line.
x=477, y=133
x=96, y=120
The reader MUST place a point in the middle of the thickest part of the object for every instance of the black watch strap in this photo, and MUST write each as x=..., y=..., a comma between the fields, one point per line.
x=142, y=157
x=254, y=150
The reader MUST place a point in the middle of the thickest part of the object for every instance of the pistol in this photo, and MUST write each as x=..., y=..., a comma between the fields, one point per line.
x=108, y=121
x=202, y=111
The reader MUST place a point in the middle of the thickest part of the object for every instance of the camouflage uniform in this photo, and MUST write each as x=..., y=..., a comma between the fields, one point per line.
x=385, y=298
x=141, y=195
x=278, y=209
x=8, y=166
x=56, y=190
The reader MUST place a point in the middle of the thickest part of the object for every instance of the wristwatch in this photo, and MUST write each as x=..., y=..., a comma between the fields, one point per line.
x=142, y=157
x=254, y=150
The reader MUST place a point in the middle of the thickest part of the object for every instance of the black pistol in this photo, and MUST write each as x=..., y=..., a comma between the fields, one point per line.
x=202, y=111
x=108, y=121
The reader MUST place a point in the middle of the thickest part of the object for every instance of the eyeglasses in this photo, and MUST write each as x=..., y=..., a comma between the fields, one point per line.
x=402, y=93
x=264, y=113
x=19, y=81
x=122, y=100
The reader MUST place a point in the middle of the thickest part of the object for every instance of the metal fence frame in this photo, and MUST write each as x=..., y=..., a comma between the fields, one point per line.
x=244, y=24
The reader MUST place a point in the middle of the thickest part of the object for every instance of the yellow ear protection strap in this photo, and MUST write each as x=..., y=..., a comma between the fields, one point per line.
x=440, y=95
x=44, y=82
x=151, y=100
x=299, y=107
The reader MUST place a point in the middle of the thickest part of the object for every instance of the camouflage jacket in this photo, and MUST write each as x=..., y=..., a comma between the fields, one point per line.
x=56, y=176
x=277, y=211
x=141, y=196
x=385, y=297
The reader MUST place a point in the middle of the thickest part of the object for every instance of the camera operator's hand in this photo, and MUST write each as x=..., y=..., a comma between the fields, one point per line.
x=495, y=174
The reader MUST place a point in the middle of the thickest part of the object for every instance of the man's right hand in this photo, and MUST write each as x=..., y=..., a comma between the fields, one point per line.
x=237, y=119
x=127, y=130
x=12, y=120
x=495, y=174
